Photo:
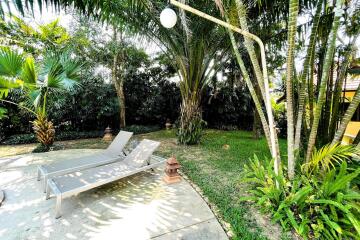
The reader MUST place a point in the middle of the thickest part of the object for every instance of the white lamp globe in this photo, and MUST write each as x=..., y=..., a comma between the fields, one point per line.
x=168, y=18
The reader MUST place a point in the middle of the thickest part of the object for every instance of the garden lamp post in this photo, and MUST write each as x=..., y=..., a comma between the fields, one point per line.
x=168, y=19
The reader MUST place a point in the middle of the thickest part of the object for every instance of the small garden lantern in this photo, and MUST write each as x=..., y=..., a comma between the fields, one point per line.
x=171, y=171
x=168, y=124
x=168, y=17
x=108, y=135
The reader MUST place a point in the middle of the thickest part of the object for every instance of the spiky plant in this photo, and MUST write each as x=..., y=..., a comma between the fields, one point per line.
x=44, y=130
x=55, y=75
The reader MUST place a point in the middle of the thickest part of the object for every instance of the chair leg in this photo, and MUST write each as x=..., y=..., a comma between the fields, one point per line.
x=58, y=206
x=45, y=183
x=39, y=174
x=47, y=191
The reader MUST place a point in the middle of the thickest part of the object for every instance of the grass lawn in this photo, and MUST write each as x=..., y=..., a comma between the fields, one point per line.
x=214, y=167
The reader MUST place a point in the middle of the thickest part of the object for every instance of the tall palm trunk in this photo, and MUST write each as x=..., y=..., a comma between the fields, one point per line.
x=249, y=45
x=339, y=84
x=325, y=75
x=262, y=79
x=347, y=117
x=293, y=13
x=191, y=123
x=251, y=88
x=306, y=74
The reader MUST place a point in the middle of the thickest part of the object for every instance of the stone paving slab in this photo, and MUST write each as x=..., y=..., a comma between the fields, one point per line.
x=138, y=207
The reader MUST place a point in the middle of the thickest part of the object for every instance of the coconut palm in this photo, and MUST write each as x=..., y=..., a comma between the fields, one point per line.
x=54, y=75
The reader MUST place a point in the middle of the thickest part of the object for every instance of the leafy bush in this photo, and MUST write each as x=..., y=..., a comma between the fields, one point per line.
x=20, y=139
x=228, y=107
x=41, y=148
x=72, y=135
x=323, y=205
x=60, y=136
x=140, y=129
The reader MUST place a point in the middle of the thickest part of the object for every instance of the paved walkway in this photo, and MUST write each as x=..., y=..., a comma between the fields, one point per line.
x=138, y=207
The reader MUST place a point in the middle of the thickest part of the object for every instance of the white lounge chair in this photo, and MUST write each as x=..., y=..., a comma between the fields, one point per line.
x=140, y=159
x=113, y=153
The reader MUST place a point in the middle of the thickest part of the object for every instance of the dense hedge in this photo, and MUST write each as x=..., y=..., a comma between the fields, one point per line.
x=72, y=135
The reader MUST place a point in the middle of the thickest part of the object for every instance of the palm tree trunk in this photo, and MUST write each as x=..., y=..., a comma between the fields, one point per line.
x=311, y=87
x=293, y=13
x=251, y=88
x=325, y=75
x=347, y=117
x=305, y=74
x=250, y=46
x=339, y=84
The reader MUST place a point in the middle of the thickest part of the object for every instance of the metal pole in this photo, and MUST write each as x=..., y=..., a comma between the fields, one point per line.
x=264, y=69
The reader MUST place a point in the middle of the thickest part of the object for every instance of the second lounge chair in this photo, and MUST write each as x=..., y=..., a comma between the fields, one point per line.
x=140, y=159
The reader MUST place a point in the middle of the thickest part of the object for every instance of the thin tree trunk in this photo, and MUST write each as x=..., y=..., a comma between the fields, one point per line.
x=251, y=89
x=293, y=13
x=305, y=74
x=325, y=74
x=311, y=87
x=121, y=96
x=250, y=47
x=118, y=81
x=347, y=117
x=339, y=85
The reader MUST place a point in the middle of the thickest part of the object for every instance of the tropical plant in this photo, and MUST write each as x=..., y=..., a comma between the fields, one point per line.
x=51, y=36
x=321, y=205
x=55, y=74
x=327, y=157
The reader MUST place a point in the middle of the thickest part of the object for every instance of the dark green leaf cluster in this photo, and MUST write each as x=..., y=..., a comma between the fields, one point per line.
x=317, y=206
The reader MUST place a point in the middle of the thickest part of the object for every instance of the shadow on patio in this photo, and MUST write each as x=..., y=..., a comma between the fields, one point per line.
x=138, y=207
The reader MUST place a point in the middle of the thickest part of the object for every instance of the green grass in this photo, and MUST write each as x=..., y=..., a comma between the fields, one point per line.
x=216, y=170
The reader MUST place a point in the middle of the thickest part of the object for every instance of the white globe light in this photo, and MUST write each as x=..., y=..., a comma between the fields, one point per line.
x=168, y=18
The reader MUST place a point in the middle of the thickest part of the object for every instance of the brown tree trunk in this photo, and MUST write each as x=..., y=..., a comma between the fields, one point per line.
x=117, y=79
x=121, y=96
x=257, y=122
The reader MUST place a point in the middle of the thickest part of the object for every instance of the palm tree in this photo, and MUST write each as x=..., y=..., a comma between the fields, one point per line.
x=54, y=75
x=324, y=77
x=293, y=13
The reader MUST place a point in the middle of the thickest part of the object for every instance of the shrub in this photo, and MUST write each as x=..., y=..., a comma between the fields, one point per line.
x=31, y=138
x=20, y=139
x=140, y=129
x=72, y=135
x=322, y=205
x=41, y=148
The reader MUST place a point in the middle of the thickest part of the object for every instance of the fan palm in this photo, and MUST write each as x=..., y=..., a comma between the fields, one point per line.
x=54, y=75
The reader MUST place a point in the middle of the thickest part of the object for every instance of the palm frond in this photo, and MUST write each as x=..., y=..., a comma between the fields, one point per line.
x=328, y=156
x=10, y=62
x=28, y=73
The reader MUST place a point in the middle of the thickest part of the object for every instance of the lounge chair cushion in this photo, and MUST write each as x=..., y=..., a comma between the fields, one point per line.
x=90, y=176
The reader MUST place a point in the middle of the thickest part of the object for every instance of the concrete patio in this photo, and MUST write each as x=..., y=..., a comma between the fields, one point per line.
x=139, y=207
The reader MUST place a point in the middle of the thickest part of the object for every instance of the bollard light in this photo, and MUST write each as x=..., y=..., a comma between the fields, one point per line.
x=168, y=18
